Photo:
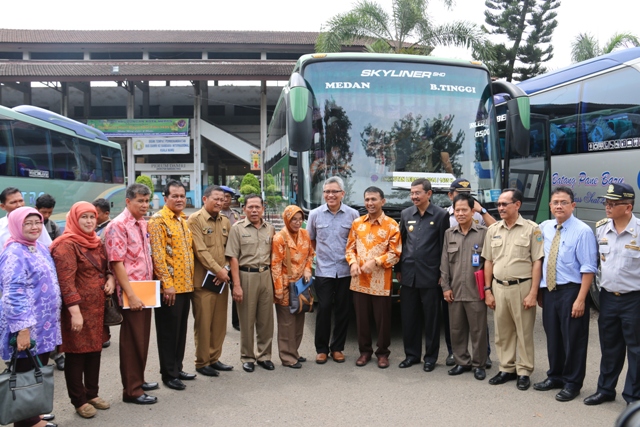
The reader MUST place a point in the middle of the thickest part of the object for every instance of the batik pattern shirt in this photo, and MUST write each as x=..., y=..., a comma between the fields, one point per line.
x=377, y=239
x=171, y=250
x=301, y=253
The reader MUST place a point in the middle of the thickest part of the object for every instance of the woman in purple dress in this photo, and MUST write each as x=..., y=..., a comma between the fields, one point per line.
x=30, y=303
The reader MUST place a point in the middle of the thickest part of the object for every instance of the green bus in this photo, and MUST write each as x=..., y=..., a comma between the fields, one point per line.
x=42, y=152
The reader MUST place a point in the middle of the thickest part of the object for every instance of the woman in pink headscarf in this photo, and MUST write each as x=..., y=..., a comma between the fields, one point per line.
x=85, y=280
x=30, y=304
x=290, y=326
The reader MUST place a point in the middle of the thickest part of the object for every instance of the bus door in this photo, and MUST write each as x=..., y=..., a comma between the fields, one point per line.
x=530, y=172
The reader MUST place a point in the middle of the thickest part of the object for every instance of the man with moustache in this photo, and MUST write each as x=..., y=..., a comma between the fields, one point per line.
x=210, y=230
x=328, y=228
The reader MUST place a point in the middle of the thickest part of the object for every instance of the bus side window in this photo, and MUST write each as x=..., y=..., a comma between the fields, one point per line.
x=64, y=157
x=5, y=140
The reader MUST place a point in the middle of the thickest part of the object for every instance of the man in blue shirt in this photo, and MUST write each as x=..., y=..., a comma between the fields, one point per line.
x=570, y=262
x=328, y=228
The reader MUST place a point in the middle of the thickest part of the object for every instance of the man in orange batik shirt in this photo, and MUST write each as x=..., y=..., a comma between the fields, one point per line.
x=373, y=248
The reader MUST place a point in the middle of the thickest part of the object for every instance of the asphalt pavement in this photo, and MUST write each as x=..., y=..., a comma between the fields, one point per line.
x=342, y=394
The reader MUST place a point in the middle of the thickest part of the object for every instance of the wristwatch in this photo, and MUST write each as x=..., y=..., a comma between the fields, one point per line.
x=488, y=288
x=483, y=211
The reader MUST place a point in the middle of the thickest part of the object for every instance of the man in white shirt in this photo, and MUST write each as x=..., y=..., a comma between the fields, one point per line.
x=10, y=200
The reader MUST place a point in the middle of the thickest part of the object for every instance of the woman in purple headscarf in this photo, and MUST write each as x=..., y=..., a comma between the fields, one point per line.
x=30, y=303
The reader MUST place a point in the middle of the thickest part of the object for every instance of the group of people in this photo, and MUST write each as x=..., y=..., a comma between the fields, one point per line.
x=459, y=263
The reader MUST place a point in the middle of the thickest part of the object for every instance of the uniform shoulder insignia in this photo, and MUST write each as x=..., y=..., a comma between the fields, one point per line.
x=602, y=222
x=533, y=223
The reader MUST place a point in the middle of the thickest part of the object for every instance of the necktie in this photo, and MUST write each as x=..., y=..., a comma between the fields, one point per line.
x=553, y=258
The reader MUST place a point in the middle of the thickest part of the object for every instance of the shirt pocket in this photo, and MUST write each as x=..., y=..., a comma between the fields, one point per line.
x=631, y=259
x=344, y=230
x=322, y=231
x=496, y=248
x=452, y=254
x=248, y=247
x=522, y=248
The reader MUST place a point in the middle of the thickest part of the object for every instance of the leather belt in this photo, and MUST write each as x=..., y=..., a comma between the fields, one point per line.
x=511, y=282
x=254, y=270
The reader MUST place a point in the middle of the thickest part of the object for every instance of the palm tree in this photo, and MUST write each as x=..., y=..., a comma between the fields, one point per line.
x=408, y=29
x=586, y=46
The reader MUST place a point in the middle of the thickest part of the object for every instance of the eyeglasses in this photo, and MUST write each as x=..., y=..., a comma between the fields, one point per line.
x=30, y=224
x=296, y=220
x=560, y=203
x=503, y=204
x=416, y=193
x=614, y=204
x=334, y=192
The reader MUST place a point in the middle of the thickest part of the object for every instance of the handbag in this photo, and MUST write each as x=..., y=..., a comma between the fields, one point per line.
x=112, y=315
x=300, y=297
x=25, y=394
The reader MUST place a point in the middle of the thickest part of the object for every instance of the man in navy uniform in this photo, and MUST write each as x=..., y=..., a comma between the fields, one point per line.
x=619, y=321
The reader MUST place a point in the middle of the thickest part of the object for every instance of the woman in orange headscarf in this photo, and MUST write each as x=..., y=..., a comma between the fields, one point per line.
x=81, y=263
x=290, y=326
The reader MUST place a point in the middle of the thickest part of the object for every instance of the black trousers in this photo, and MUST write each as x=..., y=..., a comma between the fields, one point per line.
x=171, y=331
x=420, y=308
x=334, y=298
x=619, y=327
x=567, y=337
x=445, y=323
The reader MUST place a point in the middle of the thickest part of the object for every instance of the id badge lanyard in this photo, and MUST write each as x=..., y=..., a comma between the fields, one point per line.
x=475, y=258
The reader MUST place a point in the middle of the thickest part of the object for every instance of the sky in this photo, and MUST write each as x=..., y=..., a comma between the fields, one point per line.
x=601, y=19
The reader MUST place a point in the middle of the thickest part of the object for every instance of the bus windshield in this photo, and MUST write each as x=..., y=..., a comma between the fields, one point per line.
x=385, y=124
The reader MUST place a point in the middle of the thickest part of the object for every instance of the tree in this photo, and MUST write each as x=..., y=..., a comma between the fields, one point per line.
x=249, y=185
x=273, y=197
x=528, y=25
x=585, y=46
x=146, y=180
x=408, y=29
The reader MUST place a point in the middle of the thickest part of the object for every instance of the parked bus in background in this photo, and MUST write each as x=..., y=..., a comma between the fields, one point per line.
x=44, y=152
x=585, y=134
x=386, y=120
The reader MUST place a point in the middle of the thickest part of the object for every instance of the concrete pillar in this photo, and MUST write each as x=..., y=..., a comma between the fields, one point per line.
x=64, y=102
x=197, y=145
x=26, y=55
x=145, y=55
x=263, y=129
x=205, y=55
x=131, y=106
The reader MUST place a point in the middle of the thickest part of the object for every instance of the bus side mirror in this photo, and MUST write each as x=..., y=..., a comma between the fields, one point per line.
x=299, y=114
x=518, y=126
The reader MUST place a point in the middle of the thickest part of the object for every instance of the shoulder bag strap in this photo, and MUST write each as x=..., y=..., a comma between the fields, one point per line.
x=287, y=253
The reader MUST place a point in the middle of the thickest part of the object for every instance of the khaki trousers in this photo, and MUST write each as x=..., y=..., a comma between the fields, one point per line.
x=290, y=330
x=210, y=324
x=514, y=328
x=256, y=316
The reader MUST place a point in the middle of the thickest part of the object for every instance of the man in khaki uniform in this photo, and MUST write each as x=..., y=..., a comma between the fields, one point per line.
x=249, y=253
x=210, y=231
x=513, y=253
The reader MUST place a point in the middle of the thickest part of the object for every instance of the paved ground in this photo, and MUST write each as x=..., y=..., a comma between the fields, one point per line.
x=342, y=394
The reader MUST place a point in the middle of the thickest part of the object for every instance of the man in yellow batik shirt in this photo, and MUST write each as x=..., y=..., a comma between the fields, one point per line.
x=373, y=248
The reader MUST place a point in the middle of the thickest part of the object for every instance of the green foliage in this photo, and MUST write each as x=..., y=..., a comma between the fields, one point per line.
x=528, y=26
x=408, y=29
x=586, y=46
x=249, y=185
x=146, y=180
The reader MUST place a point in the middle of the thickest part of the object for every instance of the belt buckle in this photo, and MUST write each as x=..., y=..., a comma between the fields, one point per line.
x=617, y=294
x=261, y=269
x=506, y=283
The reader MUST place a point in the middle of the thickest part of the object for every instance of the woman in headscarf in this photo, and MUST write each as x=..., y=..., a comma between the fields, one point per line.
x=85, y=280
x=290, y=326
x=30, y=303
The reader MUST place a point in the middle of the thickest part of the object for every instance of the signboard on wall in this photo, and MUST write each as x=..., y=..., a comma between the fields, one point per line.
x=161, y=145
x=255, y=160
x=131, y=128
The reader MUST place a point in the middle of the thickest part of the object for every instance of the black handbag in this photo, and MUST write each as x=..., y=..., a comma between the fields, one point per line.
x=25, y=394
x=112, y=315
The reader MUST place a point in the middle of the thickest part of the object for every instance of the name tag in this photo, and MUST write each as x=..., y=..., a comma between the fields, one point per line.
x=411, y=222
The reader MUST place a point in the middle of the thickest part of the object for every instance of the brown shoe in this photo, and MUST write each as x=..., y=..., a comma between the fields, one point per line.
x=99, y=403
x=337, y=356
x=363, y=359
x=383, y=362
x=321, y=358
x=86, y=411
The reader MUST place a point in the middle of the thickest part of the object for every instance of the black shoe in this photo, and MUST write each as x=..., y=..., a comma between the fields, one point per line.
x=60, y=363
x=219, y=366
x=143, y=399
x=266, y=364
x=524, y=382
x=150, y=386
x=296, y=365
x=175, y=384
x=567, y=394
x=186, y=377
x=598, y=398
x=503, y=377
x=429, y=366
x=457, y=370
x=450, y=360
x=208, y=371
x=407, y=363
x=548, y=384
x=302, y=359
x=489, y=363
x=106, y=344
x=51, y=425
x=236, y=327
x=48, y=417
x=248, y=366
x=479, y=374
